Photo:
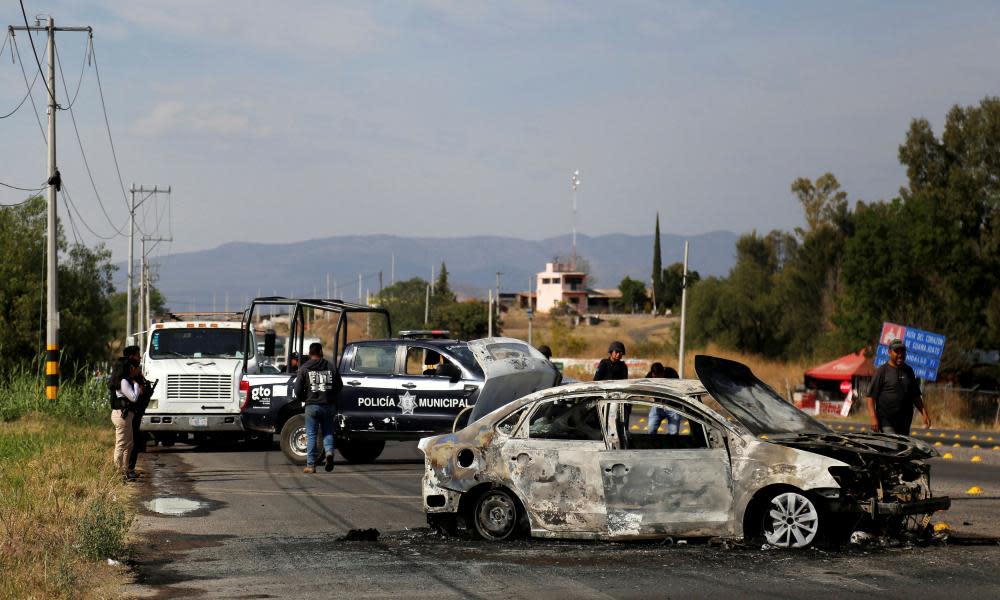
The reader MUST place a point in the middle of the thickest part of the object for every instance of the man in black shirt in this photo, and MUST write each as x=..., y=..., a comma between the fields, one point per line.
x=133, y=353
x=317, y=385
x=614, y=366
x=893, y=394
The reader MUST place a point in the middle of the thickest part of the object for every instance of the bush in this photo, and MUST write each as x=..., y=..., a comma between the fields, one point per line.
x=101, y=533
x=82, y=399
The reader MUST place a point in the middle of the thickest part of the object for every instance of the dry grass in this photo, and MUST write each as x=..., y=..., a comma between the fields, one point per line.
x=63, y=511
x=644, y=336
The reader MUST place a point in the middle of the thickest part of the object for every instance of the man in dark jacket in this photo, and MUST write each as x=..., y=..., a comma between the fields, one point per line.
x=132, y=353
x=894, y=393
x=317, y=385
x=614, y=366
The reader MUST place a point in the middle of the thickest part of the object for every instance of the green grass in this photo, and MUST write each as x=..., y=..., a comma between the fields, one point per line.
x=63, y=509
x=81, y=398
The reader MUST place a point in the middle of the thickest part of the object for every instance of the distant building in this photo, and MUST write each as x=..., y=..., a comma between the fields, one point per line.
x=602, y=300
x=559, y=283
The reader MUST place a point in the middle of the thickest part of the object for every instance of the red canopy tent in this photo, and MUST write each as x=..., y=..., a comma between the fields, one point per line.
x=844, y=368
x=824, y=392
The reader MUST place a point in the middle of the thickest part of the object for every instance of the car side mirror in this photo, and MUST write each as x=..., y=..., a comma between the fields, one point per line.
x=270, y=338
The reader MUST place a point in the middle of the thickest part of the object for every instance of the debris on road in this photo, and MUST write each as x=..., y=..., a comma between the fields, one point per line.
x=360, y=535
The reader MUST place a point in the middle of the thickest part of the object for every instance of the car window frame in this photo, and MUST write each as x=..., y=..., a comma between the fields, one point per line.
x=687, y=411
x=523, y=429
x=357, y=353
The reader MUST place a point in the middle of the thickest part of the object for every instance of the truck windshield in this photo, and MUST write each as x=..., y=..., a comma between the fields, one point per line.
x=196, y=342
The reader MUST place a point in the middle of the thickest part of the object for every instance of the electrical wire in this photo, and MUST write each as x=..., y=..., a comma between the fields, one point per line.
x=83, y=70
x=30, y=87
x=23, y=189
x=72, y=206
x=5, y=38
x=34, y=51
x=107, y=124
x=72, y=115
x=24, y=74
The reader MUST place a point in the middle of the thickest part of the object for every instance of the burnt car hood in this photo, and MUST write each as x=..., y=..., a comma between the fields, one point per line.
x=883, y=447
x=767, y=415
x=512, y=369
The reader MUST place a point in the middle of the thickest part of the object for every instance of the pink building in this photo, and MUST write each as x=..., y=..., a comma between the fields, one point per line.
x=560, y=282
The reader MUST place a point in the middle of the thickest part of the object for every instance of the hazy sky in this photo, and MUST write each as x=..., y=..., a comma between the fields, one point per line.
x=280, y=121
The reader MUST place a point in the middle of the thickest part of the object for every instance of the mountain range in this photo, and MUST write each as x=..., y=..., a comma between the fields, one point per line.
x=202, y=280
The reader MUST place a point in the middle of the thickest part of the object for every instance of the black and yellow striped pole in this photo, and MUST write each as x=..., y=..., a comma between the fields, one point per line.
x=52, y=372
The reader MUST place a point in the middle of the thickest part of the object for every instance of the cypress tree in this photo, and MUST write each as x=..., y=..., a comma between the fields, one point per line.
x=657, y=267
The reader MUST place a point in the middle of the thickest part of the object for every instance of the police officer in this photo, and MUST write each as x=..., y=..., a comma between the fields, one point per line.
x=138, y=409
x=612, y=367
x=894, y=393
x=317, y=385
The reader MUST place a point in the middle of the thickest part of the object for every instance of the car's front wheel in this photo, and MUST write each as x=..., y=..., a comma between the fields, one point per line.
x=791, y=520
x=360, y=451
x=496, y=515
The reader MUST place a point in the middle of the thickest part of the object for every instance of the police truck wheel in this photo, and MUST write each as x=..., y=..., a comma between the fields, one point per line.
x=293, y=439
x=360, y=451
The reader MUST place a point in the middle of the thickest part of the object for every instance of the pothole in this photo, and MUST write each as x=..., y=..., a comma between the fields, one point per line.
x=173, y=506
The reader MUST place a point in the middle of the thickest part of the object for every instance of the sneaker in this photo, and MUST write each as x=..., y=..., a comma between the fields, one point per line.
x=328, y=465
x=129, y=477
x=132, y=474
x=309, y=469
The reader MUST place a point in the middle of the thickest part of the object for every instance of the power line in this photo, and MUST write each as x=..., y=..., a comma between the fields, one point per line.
x=83, y=70
x=83, y=154
x=30, y=87
x=51, y=92
x=72, y=206
x=24, y=74
x=23, y=189
x=107, y=124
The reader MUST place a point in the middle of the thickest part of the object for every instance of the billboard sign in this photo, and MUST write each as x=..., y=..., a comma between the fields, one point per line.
x=923, y=349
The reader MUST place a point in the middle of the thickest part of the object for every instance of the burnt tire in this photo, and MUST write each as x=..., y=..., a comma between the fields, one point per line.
x=790, y=519
x=360, y=451
x=497, y=515
x=293, y=439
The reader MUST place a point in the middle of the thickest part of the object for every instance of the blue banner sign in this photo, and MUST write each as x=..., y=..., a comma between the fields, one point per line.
x=923, y=349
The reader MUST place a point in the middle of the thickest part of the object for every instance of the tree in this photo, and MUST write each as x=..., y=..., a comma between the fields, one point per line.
x=466, y=320
x=85, y=289
x=633, y=294
x=825, y=204
x=658, y=288
x=672, y=283
x=442, y=292
x=405, y=301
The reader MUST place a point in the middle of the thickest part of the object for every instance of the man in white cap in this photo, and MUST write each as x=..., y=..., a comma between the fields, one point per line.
x=894, y=393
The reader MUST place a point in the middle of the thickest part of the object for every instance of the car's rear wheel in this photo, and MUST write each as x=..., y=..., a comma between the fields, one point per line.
x=496, y=515
x=293, y=439
x=360, y=451
x=791, y=520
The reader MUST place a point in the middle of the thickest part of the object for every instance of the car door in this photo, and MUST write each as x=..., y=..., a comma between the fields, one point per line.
x=428, y=402
x=656, y=484
x=553, y=465
x=369, y=400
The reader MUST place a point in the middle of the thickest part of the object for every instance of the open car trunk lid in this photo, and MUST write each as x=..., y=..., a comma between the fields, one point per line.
x=512, y=369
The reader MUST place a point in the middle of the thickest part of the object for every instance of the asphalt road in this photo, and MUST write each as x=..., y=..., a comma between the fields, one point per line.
x=257, y=527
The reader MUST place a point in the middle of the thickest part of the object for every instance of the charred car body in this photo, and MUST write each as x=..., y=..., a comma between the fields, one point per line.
x=394, y=389
x=578, y=462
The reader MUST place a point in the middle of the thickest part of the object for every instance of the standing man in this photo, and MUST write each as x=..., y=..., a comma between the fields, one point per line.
x=893, y=394
x=317, y=385
x=132, y=354
x=612, y=367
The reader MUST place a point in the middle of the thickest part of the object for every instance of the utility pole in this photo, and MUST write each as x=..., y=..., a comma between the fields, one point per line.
x=684, y=293
x=380, y=282
x=575, y=184
x=359, y=288
x=427, y=305
x=131, y=246
x=498, y=295
x=489, y=316
x=55, y=184
x=392, y=270
x=145, y=287
x=531, y=310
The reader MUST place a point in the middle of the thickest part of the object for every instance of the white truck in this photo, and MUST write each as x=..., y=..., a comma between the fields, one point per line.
x=198, y=365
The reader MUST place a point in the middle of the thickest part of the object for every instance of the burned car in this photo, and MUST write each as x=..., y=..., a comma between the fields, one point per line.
x=587, y=461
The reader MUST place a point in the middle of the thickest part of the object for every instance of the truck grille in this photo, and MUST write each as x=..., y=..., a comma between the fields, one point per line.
x=199, y=387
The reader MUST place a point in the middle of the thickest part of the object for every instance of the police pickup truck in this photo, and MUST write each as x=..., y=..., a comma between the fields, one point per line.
x=394, y=389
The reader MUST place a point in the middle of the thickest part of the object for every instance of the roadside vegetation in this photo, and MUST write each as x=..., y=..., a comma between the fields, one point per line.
x=63, y=512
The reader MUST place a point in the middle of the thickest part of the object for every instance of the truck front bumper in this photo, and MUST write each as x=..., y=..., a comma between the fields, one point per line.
x=181, y=423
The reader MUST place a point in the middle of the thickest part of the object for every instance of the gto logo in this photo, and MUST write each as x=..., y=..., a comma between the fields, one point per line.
x=260, y=392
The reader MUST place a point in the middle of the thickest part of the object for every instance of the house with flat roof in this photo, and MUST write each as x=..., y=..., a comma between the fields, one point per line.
x=558, y=283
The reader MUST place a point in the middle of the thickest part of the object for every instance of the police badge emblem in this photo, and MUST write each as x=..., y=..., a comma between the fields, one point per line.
x=407, y=403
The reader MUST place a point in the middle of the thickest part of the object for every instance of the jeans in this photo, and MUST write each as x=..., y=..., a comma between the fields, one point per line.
x=657, y=415
x=318, y=416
